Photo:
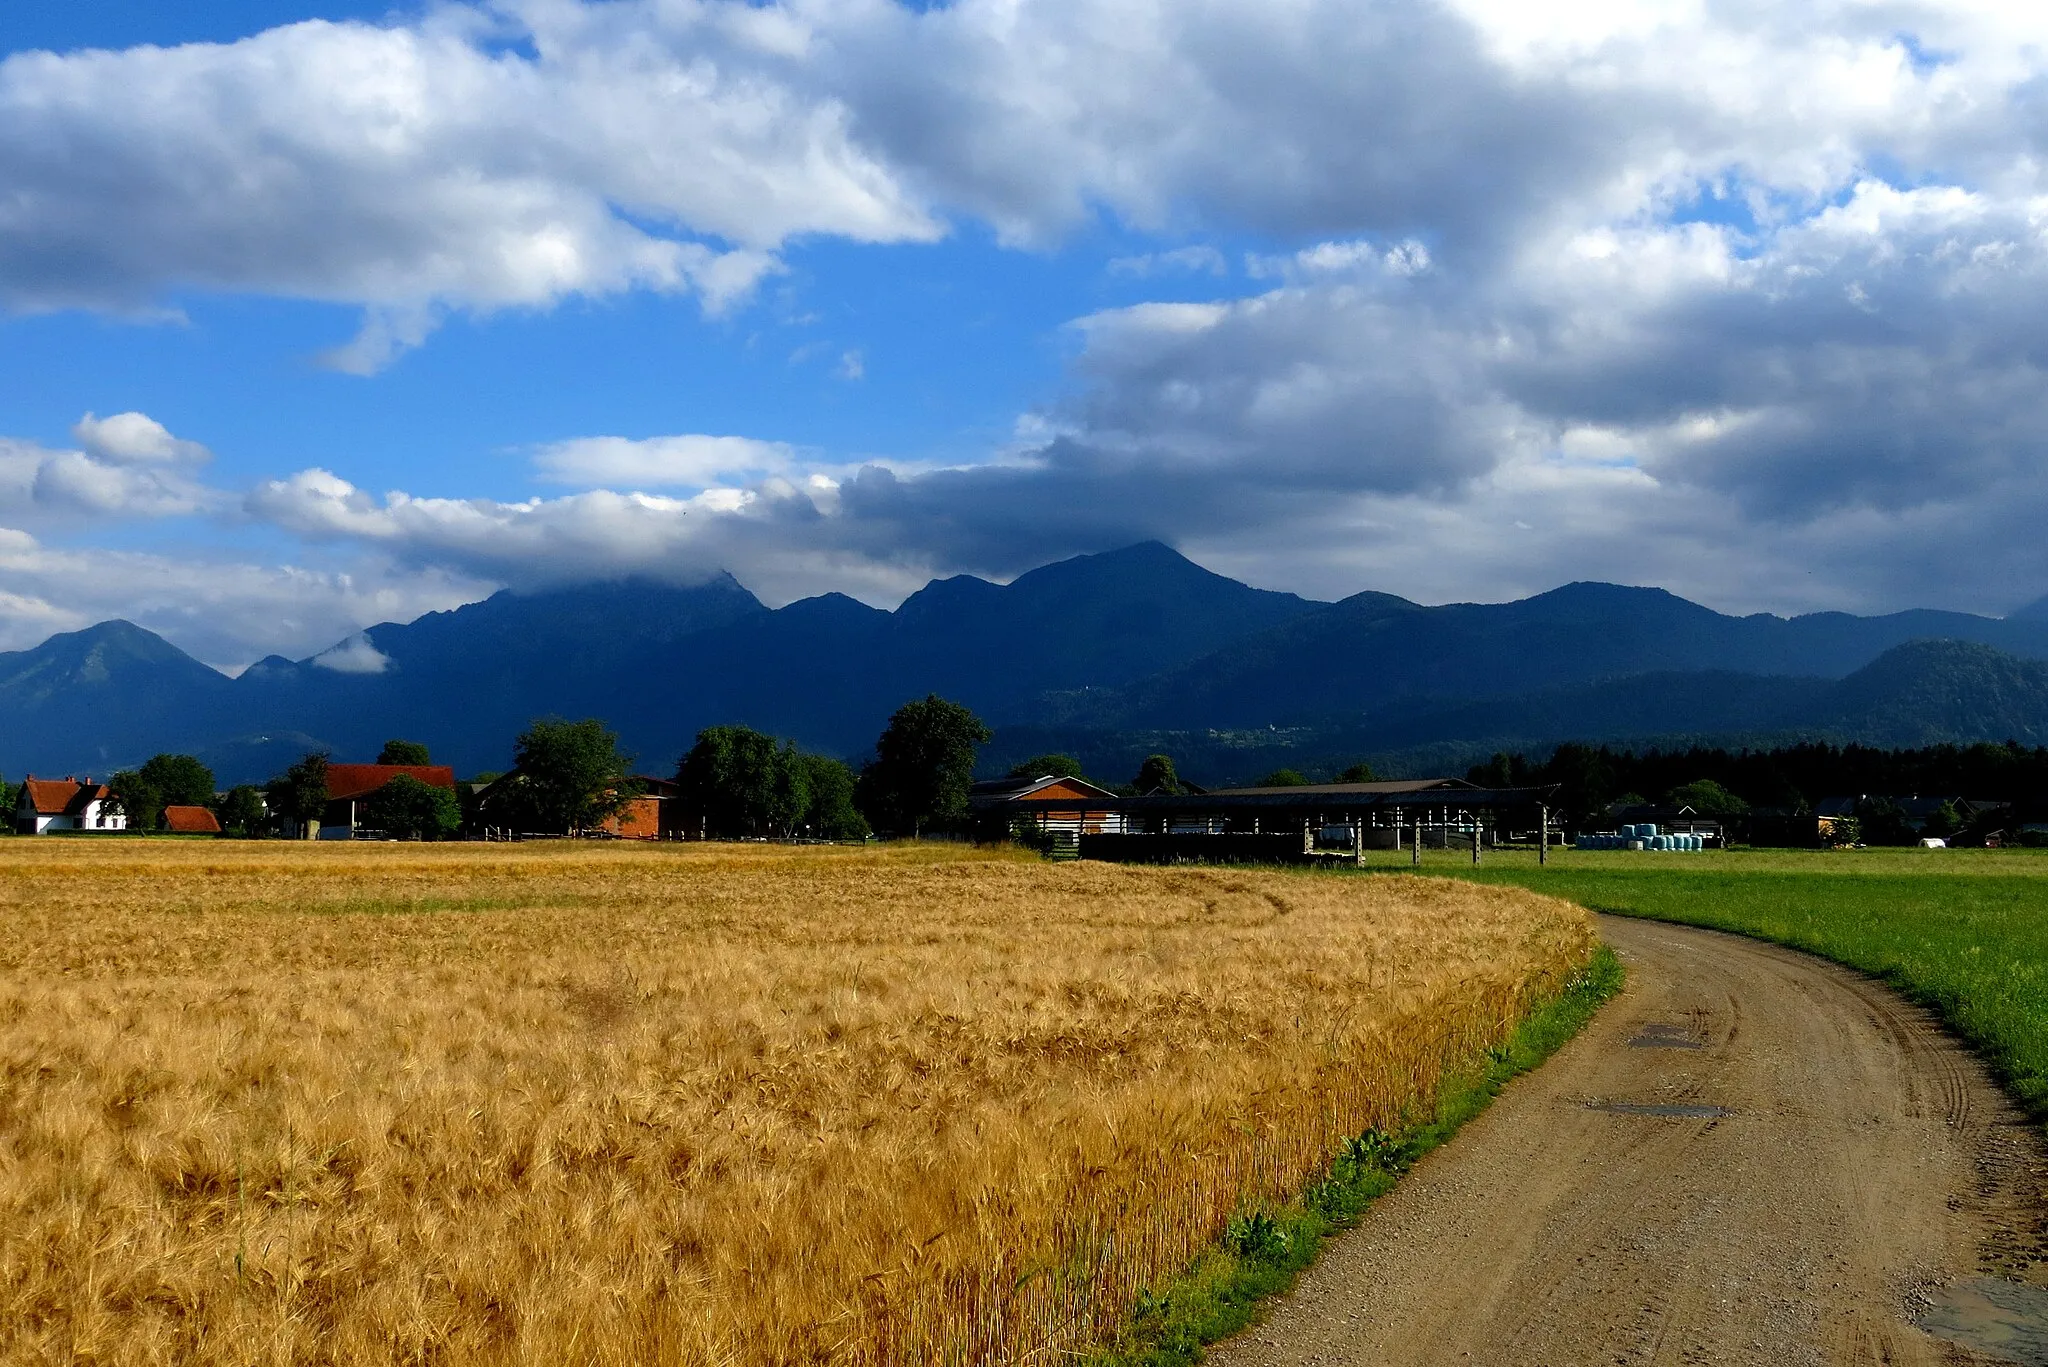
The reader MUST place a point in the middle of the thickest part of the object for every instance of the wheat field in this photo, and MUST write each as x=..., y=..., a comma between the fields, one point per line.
x=580, y=1103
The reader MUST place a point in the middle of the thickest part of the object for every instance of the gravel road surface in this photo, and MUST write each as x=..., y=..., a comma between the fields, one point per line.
x=1750, y=1156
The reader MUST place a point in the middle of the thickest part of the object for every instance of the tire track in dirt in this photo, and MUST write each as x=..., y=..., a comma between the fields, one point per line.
x=1867, y=1173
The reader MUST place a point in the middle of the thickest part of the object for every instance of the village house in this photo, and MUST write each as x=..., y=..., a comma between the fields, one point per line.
x=348, y=785
x=66, y=804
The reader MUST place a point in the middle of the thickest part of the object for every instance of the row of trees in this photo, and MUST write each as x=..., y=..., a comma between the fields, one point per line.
x=571, y=776
x=1733, y=785
x=737, y=781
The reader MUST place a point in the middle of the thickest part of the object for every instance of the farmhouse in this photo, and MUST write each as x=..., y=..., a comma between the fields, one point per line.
x=66, y=804
x=348, y=785
x=190, y=821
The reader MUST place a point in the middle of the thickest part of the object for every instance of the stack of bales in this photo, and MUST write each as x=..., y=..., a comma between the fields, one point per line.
x=1639, y=837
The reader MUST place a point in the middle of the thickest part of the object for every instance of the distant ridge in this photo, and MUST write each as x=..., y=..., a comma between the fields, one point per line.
x=1095, y=651
x=2036, y=611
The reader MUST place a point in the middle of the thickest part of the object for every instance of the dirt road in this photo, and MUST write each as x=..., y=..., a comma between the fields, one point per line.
x=1751, y=1156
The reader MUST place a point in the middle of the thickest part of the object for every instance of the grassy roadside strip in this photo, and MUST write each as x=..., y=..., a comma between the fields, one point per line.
x=1263, y=1251
x=1966, y=935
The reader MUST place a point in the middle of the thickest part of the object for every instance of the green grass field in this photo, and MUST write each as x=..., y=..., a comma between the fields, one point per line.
x=1964, y=931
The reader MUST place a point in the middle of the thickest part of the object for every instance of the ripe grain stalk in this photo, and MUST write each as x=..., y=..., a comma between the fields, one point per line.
x=602, y=1103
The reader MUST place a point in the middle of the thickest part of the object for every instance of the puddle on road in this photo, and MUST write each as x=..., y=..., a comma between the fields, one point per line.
x=2008, y=1320
x=1659, y=1035
x=1684, y=1110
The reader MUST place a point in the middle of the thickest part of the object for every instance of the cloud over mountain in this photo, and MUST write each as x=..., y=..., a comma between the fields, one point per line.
x=1459, y=299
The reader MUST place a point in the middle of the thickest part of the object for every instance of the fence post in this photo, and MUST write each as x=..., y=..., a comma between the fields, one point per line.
x=1542, y=834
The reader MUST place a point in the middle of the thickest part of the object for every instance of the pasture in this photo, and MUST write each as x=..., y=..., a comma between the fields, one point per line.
x=1963, y=931
x=566, y=1103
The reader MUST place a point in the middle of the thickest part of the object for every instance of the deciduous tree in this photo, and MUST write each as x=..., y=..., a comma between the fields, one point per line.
x=1708, y=798
x=1048, y=766
x=403, y=752
x=575, y=774
x=923, y=766
x=165, y=781
x=407, y=809
x=241, y=810
x=1156, y=775
x=737, y=781
x=299, y=794
x=832, y=813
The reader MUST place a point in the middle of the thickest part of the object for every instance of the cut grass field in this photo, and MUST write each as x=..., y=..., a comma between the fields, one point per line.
x=593, y=1103
x=1963, y=931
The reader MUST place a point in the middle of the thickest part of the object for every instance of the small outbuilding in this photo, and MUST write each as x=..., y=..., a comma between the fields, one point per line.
x=1050, y=807
x=180, y=820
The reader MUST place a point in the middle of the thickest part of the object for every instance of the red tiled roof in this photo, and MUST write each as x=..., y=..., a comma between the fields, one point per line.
x=191, y=821
x=61, y=796
x=348, y=781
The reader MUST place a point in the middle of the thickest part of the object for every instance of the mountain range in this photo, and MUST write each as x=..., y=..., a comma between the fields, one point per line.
x=1106, y=655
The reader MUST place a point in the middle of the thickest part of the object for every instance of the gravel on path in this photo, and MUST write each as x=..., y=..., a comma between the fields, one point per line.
x=1750, y=1156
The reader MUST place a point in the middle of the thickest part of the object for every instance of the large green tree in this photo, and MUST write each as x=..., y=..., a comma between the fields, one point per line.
x=832, y=813
x=299, y=794
x=242, y=810
x=403, y=752
x=165, y=781
x=737, y=781
x=407, y=809
x=1284, y=778
x=1048, y=766
x=923, y=766
x=1157, y=775
x=1708, y=798
x=575, y=776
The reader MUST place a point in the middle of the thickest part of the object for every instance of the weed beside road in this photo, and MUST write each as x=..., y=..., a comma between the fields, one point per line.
x=1962, y=931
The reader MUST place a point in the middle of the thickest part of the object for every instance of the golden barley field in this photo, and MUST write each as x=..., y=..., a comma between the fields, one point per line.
x=586, y=1103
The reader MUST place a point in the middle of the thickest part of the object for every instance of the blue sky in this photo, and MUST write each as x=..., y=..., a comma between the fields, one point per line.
x=309, y=325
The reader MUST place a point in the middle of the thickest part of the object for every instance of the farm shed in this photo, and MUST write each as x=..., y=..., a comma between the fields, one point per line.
x=1050, y=808
x=190, y=821
x=1303, y=823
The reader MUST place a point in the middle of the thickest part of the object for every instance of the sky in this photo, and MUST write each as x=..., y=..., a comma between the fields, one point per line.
x=315, y=314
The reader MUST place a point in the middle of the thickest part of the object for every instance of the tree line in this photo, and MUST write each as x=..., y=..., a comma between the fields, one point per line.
x=1789, y=780
x=571, y=777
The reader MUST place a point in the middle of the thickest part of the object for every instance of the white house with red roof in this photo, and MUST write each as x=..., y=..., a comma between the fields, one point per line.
x=66, y=804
